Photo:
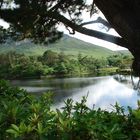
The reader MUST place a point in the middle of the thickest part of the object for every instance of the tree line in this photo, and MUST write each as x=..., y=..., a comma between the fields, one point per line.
x=14, y=65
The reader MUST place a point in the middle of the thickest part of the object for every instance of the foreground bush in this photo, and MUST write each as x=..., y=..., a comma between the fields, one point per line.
x=25, y=117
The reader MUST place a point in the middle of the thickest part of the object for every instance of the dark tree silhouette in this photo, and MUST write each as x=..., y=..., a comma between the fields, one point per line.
x=38, y=20
x=124, y=17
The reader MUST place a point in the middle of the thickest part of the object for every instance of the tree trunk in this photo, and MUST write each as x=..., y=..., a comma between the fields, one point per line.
x=124, y=17
x=136, y=62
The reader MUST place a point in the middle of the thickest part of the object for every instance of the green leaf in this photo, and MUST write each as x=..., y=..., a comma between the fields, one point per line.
x=15, y=127
x=39, y=128
x=12, y=131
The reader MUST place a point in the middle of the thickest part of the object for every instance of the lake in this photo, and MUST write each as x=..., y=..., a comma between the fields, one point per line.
x=102, y=92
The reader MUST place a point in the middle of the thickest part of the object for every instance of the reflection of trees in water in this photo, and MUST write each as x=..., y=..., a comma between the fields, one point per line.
x=130, y=81
x=103, y=91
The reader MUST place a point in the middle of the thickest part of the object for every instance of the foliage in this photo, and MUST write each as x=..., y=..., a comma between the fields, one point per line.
x=121, y=61
x=39, y=25
x=24, y=116
x=15, y=65
x=18, y=65
x=45, y=16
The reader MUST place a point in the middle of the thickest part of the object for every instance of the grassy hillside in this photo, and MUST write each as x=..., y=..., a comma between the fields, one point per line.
x=73, y=46
x=23, y=47
x=68, y=45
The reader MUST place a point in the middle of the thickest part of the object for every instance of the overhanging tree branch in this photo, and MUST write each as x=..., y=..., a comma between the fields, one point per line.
x=45, y=18
x=110, y=38
x=98, y=20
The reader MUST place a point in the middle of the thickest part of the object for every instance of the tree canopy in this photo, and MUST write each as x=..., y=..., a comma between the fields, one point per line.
x=39, y=19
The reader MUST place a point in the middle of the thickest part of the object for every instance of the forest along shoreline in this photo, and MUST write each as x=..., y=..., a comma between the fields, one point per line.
x=52, y=64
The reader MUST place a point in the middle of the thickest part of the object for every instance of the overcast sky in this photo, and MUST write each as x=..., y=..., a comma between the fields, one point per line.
x=99, y=27
x=96, y=26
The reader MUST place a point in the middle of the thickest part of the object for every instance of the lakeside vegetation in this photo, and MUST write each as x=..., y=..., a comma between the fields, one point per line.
x=25, y=117
x=19, y=66
x=67, y=57
x=28, y=117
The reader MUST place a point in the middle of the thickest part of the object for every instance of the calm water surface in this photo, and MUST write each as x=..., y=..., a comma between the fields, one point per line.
x=102, y=91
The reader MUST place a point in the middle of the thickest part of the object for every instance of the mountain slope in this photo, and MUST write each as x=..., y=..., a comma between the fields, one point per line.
x=73, y=46
x=68, y=45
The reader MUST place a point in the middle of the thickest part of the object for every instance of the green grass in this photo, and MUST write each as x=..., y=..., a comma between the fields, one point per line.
x=72, y=46
x=68, y=45
x=26, y=48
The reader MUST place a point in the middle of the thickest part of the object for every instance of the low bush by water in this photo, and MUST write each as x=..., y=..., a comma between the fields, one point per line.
x=26, y=117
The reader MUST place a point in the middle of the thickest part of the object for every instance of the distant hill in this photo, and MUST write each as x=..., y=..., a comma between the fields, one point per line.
x=68, y=45
x=124, y=52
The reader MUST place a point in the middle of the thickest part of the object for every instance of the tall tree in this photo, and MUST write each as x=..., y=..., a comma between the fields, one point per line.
x=38, y=20
x=124, y=17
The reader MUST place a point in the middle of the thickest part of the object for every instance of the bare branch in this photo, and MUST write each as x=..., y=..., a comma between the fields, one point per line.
x=88, y=22
x=56, y=7
x=1, y=3
x=72, y=32
x=92, y=8
x=110, y=38
x=98, y=20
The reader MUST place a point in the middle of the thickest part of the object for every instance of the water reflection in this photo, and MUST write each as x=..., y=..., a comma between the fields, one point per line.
x=102, y=91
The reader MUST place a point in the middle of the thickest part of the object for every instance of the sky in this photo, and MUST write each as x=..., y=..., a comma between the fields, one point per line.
x=86, y=17
x=96, y=26
x=3, y=23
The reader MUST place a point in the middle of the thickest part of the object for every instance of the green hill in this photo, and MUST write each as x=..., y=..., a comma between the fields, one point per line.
x=68, y=45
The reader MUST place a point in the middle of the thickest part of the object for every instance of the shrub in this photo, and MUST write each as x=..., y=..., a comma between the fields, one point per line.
x=26, y=117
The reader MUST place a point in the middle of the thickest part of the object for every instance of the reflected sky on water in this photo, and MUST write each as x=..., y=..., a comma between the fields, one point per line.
x=102, y=91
